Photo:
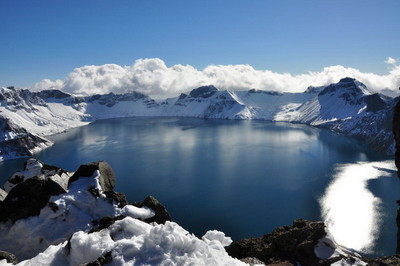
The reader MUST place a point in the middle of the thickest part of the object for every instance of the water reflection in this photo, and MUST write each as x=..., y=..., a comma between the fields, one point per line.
x=349, y=209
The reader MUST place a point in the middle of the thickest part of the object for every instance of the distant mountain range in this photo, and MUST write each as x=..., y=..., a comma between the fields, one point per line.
x=346, y=107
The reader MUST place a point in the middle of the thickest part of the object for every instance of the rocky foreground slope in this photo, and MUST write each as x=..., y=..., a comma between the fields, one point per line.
x=346, y=107
x=49, y=216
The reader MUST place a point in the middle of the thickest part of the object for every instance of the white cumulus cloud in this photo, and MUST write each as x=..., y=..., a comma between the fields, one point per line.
x=153, y=77
x=390, y=61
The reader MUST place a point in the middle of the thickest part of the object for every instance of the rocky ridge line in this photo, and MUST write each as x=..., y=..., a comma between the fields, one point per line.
x=346, y=107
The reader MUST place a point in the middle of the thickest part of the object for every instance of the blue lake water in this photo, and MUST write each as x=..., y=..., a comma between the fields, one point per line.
x=241, y=177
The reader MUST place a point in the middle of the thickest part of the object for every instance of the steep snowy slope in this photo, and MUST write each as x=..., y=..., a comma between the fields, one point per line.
x=265, y=105
x=346, y=107
x=207, y=102
x=25, y=116
x=16, y=142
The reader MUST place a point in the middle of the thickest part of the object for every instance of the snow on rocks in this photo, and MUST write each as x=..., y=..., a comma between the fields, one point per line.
x=83, y=224
x=133, y=242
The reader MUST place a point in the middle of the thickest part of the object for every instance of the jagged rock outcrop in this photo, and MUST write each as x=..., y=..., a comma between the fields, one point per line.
x=106, y=174
x=43, y=196
x=384, y=261
x=275, y=93
x=294, y=244
x=203, y=92
x=9, y=257
x=396, y=134
x=15, y=141
x=30, y=190
x=161, y=213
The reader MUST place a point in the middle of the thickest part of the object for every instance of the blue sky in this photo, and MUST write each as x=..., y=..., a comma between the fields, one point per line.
x=48, y=39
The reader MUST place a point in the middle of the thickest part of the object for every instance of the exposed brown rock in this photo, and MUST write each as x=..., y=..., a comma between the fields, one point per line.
x=107, y=177
x=384, y=261
x=287, y=244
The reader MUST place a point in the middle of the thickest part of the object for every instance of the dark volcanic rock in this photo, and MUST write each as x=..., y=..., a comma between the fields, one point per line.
x=33, y=167
x=203, y=92
x=28, y=198
x=384, y=261
x=274, y=93
x=30, y=190
x=161, y=214
x=22, y=143
x=107, y=177
x=117, y=197
x=374, y=102
x=56, y=94
x=396, y=134
x=9, y=257
x=105, y=222
x=294, y=244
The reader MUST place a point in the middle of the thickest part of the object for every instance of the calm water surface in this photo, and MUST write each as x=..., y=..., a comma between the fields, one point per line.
x=241, y=177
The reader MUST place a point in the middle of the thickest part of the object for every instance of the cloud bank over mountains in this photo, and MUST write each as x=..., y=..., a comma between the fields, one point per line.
x=153, y=77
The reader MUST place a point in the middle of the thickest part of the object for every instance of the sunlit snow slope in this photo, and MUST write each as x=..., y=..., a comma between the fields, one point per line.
x=346, y=107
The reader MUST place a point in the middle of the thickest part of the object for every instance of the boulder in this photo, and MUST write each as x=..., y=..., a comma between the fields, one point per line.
x=9, y=257
x=117, y=197
x=28, y=198
x=35, y=168
x=383, y=261
x=287, y=244
x=105, y=222
x=106, y=178
x=3, y=194
x=161, y=214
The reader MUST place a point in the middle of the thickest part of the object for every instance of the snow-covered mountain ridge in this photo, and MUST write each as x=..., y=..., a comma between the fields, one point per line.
x=346, y=107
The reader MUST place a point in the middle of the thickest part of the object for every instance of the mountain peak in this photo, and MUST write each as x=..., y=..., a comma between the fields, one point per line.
x=346, y=85
x=203, y=91
x=347, y=79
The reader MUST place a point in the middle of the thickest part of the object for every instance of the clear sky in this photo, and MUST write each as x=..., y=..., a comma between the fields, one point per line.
x=48, y=39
